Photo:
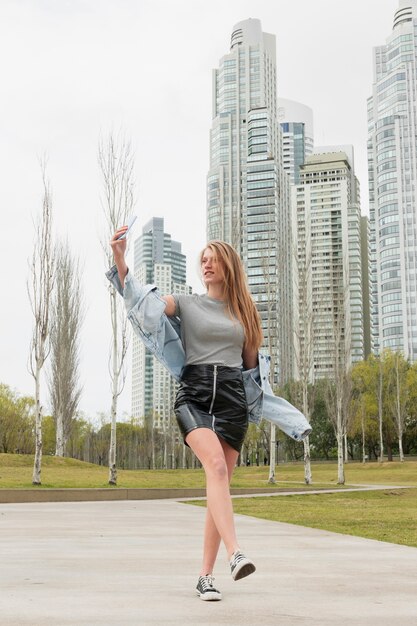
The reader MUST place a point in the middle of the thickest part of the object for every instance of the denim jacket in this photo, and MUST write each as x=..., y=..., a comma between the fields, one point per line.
x=161, y=335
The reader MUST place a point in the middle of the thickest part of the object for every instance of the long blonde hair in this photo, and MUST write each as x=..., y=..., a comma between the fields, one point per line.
x=236, y=292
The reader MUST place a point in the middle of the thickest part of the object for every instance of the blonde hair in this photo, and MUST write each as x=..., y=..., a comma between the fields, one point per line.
x=236, y=292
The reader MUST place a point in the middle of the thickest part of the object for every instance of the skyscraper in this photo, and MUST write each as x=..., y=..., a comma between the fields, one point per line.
x=159, y=260
x=392, y=162
x=296, y=121
x=327, y=231
x=247, y=189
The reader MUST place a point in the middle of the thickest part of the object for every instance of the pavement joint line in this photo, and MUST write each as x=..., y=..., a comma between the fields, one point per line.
x=308, y=492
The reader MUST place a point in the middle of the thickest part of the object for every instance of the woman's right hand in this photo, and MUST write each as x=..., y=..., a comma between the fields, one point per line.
x=119, y=245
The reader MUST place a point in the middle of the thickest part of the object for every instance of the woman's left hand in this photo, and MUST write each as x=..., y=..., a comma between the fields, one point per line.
x=119, y=245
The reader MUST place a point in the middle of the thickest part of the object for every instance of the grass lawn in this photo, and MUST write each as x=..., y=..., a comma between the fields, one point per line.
x=387, y=473
x=389, y=515
x=16, y=472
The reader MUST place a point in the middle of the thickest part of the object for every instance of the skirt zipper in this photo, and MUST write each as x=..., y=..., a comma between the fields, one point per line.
x=214, y=393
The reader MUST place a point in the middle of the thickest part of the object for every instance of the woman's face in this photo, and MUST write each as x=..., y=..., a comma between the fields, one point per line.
x=211, y=268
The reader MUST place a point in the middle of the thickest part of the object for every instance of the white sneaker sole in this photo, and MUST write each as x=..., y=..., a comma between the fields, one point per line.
x=210, y=595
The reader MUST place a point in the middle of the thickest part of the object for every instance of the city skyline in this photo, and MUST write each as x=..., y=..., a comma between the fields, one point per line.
x=59, y=103
x=248, y=195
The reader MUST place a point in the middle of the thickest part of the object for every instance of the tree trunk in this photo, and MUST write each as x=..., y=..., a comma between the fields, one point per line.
x=308, y=477
x=346, y=453
x=307, y=462
x=363, y=438
x=115, y=384
x=153, y=456
x=399, y=420
x=36, y=477
x=165, y=450
x=59, y=449
x=400, y=447
x=381, y=439
x=340, y=466
x=272, y=451
x=173, y=450
x=112, y=449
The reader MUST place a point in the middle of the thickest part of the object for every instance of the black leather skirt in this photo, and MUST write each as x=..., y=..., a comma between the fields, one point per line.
x=213, y=396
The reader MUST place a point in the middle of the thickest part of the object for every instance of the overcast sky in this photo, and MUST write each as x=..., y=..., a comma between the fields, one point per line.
x=72, y=69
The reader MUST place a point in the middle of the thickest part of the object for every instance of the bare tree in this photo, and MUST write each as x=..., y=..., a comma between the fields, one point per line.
x=339, y=386
x=273, y=433
x=269, y=262
x=116, y=162
x=40, y=286
x=363, y=433
x=66, y=320
x=380, y=391
x=360, y=377
x=303, y=337
x=397, y=393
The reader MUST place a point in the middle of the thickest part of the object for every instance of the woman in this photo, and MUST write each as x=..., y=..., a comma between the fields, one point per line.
x=221, y=333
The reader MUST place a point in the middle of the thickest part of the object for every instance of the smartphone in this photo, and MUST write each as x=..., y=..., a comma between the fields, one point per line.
x=129, y=226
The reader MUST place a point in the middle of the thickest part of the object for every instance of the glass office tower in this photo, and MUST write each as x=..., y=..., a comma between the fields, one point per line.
x=248, y=201
x=296, y=121
x=392, y=158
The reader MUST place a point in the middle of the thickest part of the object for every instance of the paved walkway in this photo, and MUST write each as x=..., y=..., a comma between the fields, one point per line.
x=132, y=563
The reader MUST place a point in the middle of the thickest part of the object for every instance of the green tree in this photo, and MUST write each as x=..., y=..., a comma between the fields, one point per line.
x=364, y=406
x=410, y=433
x=80, y=440
x=322, y=439
x=16, y=421
x=48, y=435
x=251, y=449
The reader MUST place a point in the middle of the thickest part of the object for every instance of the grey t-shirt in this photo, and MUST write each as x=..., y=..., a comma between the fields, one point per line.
x=208, y=333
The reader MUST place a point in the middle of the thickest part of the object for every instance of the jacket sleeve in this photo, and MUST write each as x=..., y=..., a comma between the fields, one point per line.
x=147, y=311
x=273, y=408
x=286, y=416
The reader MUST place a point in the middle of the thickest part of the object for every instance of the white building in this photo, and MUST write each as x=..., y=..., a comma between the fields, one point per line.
x=327, y=232
x=247, y=189
x=157, y=260
x=392, y=159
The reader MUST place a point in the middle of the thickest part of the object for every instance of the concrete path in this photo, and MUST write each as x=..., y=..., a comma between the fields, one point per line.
x=135, y=563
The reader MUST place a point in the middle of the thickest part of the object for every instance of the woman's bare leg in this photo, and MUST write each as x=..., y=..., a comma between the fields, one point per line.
x=212, y=455
x=211, y=535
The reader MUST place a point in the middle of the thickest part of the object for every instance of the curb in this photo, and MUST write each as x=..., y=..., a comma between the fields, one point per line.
x=8, y=496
